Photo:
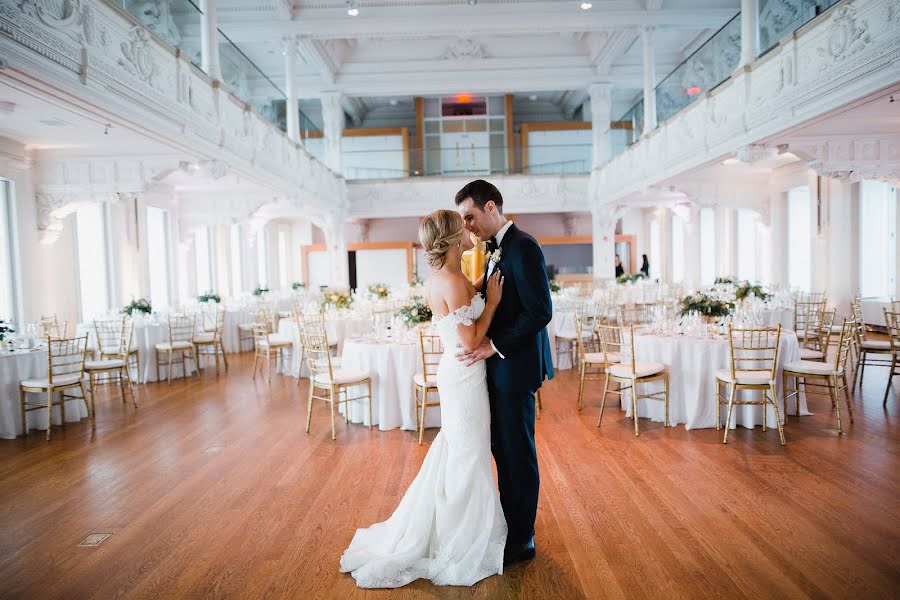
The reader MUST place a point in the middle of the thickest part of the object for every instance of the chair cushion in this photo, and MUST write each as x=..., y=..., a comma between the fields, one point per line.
x=876, y=344
x=246, y=326
x=99, y=365
x=342, y=377
x=204, y=338
x=419, y=380
x=810, y=367
x=178, y=345
x=744, y=377
x=322, y=363
x=810, y=354
x=641, y=369
x=285, y=314
x=58, y=381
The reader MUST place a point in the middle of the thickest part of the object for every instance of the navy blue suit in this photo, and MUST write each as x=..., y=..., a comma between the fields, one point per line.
x=519, y=333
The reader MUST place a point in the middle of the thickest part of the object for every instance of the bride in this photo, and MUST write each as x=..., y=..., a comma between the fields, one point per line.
x=449, y=527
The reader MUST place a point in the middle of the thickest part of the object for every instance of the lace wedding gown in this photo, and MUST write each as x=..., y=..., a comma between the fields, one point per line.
x=449, y=527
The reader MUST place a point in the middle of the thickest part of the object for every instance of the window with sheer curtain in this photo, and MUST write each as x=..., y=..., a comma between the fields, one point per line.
x=202, y=257
x=799, y=236
x=158, y=256
x=746, y=241
x=707, y=246
x=877, y=239
x=262, y=258
x=237, y=284
x=283, y=271
x=93, y=268
x=655, y=245
x=677, y=249
x=7, y=276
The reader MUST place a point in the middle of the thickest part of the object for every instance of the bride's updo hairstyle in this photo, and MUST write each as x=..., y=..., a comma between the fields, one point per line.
x=438, y=232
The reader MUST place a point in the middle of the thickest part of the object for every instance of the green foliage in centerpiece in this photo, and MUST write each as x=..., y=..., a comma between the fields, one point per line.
x=379, y=290
x=298, y=285
x=747, y=289
x=338, y=299
x=554, y=286
x=631, y=277
x=415, y=312
x=141, y=305
x=726, y=281
x=705, y=305
x=209, y=296
x=260, y=291
x=5, y=329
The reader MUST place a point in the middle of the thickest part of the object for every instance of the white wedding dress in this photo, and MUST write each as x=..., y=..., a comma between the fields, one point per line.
x=449, y=527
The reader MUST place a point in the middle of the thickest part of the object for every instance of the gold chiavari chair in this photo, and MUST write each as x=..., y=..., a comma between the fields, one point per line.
x=807, y=316
x=817, y=337
x=65, y=370
x=210, y=342
x=631, y=372
x=113, y=364
x=754, y=358
x=892, y=321
x=109, y=338
x=538, y=405
x=425, y=382
x=180, y=344
x=874, y=353
x=245, y=333
x=593, y=361
x=834, y=375
x=267, y=345
x=329, y=384
x=51, y=327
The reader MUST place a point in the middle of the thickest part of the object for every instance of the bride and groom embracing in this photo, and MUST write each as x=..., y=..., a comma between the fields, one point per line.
x=451, y=526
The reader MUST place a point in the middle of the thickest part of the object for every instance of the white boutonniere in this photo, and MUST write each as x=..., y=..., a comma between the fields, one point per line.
x=496, y=255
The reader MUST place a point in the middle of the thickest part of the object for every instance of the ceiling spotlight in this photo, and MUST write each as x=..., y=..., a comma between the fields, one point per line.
x=533, y=97
x=471, y=2
x=586, y=6
x=351, y=8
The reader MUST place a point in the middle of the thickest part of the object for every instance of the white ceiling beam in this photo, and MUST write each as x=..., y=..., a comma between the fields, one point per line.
x=355, y=108
x=407, y=24
x=313, y=53
x=619, y=43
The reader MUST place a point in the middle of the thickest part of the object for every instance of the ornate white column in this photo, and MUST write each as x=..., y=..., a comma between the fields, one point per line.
x=601, y=108
x=603, y=229
x=290, y=88
x=649, y=80
x=749, y=31
x=336, y=246
x=692, y=250
x=209, y=40
x=333, y=124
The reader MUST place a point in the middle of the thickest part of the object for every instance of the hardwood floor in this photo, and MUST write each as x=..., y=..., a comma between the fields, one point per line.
x=213, y=489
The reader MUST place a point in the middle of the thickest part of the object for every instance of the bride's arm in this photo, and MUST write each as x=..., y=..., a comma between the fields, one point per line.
x=471, y=335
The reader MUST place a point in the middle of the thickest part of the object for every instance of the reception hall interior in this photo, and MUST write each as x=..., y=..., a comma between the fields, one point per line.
x=216, y=357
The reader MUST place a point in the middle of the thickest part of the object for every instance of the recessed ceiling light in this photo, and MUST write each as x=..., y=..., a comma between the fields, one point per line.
x=351, y=8
x=532, y=97
x=392, y=102
x=586, y=6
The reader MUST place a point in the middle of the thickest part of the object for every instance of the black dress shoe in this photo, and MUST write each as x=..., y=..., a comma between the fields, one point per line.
x=519, y=554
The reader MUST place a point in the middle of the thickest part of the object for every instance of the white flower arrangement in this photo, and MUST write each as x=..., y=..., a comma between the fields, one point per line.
x=496, y=255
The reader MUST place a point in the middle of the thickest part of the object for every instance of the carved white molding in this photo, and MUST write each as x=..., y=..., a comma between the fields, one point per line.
x=463, y=49
x=851, y=158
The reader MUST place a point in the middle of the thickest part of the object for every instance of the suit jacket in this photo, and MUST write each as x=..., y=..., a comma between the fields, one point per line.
x=519, y=328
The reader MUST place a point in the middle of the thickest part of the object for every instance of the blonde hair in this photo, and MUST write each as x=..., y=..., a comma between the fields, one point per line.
x=438, y=232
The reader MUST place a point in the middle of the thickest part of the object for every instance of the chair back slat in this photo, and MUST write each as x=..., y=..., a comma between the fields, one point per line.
x=315, y=347
x=848, y=335
x=109, y=335
x=892, y=322
x=52, y=328
x=432, y=350
x=181, y=328
x=753, y=349
x=65, y=356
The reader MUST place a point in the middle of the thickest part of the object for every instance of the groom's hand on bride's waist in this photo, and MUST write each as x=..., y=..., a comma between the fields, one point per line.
x=484, y=351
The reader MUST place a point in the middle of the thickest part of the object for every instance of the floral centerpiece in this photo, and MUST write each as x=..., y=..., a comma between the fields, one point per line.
x=337, y=298
x=631, y=277
x=705, y=305
x=725, y=281
x=298, y=285
x=260, y=291
x=141, y=305
x=747, y=289
x=379, y=290
x=415, y=312
x=554, y=286
x=209, y=296
x=5, y=329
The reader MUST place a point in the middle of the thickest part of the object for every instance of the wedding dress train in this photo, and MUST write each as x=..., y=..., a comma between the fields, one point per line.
x=449, y=527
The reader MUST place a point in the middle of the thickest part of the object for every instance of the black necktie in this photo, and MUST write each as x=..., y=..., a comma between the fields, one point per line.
x=491, y=245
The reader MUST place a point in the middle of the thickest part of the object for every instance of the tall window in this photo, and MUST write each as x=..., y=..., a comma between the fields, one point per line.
x=262, y=258
x=283, y=270
x=201, y=254
x=655, y=245
x=158, y=256
x=877, y=239
x=93, y=269
x=236, y=261
x=7, y=281
x=707, y=246
x=746, y=241
x=799, y=238
x=677, y=248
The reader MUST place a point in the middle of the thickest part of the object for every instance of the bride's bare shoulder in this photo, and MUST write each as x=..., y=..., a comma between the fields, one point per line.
x=454, y=289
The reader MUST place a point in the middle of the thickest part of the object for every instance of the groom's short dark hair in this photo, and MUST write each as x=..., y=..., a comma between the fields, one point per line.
x=481, y=192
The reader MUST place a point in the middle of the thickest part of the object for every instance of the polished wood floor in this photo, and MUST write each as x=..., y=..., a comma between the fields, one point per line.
x=213, y=490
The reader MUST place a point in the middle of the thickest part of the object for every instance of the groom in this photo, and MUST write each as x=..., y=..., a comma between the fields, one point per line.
x=517, y=351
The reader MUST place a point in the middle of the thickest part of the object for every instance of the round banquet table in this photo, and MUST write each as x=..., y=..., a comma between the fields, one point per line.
x=391, y=365
x=16, y=367
x=562, y=323
x=692, y=364
x=338, y=328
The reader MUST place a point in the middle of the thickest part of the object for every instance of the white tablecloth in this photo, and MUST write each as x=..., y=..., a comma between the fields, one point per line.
x=562, y=323
x=693, y=363
x=338, y=328
x=231, y=333
x=392, y=366
x=16, y=367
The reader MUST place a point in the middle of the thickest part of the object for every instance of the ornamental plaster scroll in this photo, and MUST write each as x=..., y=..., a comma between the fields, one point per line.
x=852, y=158
x=52, y=209
x=463, y=49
